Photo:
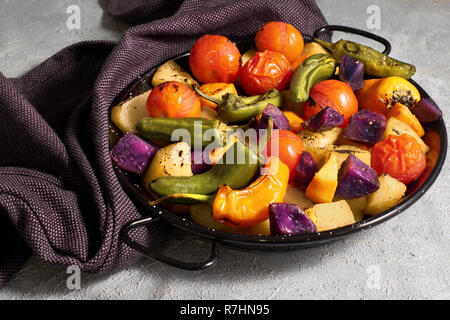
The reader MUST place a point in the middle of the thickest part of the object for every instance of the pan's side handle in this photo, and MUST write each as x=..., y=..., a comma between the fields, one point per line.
x=372, y=36
x=125, y=237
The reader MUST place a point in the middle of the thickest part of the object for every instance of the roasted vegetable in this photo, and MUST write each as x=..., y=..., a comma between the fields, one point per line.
x=279, y=119
x=343, y=151
x=128, y=113
x=199, y=161
x=328, y=216
x=202, y=214
x=233, y=109
x=366, y=126
x=358, y=205
x=397, y=127
x=251, y=205
x=236, y=171
x=295, y=121
x=403, y=113
x=388, y=195
x=171, y=71
x=426, y=110
x=172, y=160
x=376, y=63
x=325, y=181
x=317, y=143
x=380, y=95
x=351, y=71
x=327, y=118
x=194, y=131
x=356, y=179
x=132, y=153
x=215, y=90
x=288, y=218
x=314, y=69
x=305, y=170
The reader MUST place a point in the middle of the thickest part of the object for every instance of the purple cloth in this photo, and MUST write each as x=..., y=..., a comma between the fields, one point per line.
x=59, y=196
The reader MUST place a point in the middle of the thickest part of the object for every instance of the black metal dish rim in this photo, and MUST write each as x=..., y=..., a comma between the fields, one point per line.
x=215, y=234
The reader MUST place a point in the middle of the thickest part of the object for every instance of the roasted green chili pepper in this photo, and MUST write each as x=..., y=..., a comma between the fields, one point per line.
x=234, y=109
x=236, y=169
x=314, y=69
x=234, y=172
x=164, y=129
x=375, y=63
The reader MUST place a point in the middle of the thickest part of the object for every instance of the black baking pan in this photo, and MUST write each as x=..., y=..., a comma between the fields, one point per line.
x=131, y=184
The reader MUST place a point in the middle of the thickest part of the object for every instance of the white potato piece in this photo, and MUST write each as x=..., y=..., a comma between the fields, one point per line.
x=388, y=195
x=127, y=114
x=171, y=71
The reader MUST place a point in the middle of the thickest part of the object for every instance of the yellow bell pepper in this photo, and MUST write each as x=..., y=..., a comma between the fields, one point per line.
x=402, y=113
x=250, y=206
x=295, y=122
x=215, y=90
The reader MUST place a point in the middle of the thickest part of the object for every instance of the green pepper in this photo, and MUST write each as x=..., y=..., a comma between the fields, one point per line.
x=165, y=129
x=236, y=169
x=234, y=109
x=376, y=63
x=314, y=69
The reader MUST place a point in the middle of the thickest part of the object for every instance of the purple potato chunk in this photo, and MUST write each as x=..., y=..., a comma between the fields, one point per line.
x=287, y=218
x=351, y=71
x=366, y=126
x=426, y=110
x=356, y=179
x=326, y=118
x=279, y=119
x=305, y=170
x=198, y=162
x=132, y=153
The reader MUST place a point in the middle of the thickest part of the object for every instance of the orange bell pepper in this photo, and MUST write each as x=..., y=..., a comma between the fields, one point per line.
x=402, y=113
x=250, y=206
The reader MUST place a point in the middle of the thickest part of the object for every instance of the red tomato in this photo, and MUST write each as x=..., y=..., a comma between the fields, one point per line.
x=214, y=58
x=400, y=157
x=280, y=37
x=287, y=146
x=264, y=71
x=173, y=99
x=331, y=93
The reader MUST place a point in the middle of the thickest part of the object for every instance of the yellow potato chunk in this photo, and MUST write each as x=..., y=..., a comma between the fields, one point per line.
x=127, y=114
x=388, y=195
x=331, y=215
x=318, y=143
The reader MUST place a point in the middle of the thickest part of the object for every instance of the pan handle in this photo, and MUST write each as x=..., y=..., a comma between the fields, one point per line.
x=372, y=36
x=193, y=266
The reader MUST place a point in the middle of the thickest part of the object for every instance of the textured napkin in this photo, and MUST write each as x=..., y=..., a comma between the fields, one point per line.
x=59, y=196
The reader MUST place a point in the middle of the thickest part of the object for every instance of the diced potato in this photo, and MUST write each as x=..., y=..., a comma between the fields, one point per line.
x=172, y=160
x=388, y=195
x=342, y=153
x=358, y=205
x=331, y=215
x=171, y=71
x=247, y=56
x=317, y=143
x=127, y=114
x=202, y=214
x=402, y=113
x=397, y=127
x=262, y=228
x=295, y=196
x=323, y=186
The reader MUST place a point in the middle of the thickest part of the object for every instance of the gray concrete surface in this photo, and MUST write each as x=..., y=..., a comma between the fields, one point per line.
x=405, y=258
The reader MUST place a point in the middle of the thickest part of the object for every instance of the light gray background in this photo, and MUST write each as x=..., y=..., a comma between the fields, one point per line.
x=409, y=255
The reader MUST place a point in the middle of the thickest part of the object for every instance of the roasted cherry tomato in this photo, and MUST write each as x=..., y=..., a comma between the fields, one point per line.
x=400, y=157
x=214, y=58
x=173, y=99
x=280, y=37
x=264, y=71
x=331, y=93
x=286, y=146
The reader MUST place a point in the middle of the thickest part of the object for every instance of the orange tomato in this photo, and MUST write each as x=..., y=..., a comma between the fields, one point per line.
x=264, y=71
x=331, y=93
x=280, y=37
x=173, y=99
x=286, y=146
x=401, y=157
x=215, y=58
